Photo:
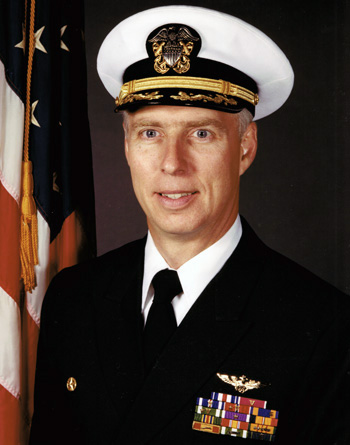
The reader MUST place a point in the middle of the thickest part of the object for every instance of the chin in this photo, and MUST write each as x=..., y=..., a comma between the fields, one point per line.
x=178, y=229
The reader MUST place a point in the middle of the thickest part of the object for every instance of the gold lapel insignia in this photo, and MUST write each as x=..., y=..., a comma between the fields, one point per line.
x=242, y=383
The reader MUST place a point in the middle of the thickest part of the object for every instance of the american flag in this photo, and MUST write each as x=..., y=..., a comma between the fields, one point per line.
x=60, y=151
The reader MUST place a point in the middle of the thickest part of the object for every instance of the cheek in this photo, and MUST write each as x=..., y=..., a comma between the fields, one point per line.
x=141, y=176
x=136, y=160
x=223, y=171
x=225, y=186
x=142, y=158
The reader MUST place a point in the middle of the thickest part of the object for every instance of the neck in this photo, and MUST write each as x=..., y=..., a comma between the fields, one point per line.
x=176, y=252
x=178, y=249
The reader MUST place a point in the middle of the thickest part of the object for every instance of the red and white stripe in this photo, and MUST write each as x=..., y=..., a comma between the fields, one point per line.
x=11, y=149
x=20, y=320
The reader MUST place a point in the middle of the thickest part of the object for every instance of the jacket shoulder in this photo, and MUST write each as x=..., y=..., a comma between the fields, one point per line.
x=121, y=258
x=284, y=277
x=72, y=286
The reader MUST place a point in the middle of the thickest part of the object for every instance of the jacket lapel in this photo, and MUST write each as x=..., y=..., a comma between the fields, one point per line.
x=118, y=327
x=202, y=341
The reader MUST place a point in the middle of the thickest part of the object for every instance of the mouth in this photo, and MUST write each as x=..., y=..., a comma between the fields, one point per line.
x=175, y=200
x=176, y=195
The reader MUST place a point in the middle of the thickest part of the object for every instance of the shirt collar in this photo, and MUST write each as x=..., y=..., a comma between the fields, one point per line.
x=196, y=273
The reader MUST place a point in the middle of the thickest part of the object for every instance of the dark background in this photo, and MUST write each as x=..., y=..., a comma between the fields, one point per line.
x=296, y=195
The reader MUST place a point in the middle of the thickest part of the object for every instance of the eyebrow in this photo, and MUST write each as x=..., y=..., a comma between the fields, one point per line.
x=186, y=123
x=145, y=123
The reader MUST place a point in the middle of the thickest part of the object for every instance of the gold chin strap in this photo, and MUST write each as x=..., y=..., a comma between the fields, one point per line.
x=196, y=83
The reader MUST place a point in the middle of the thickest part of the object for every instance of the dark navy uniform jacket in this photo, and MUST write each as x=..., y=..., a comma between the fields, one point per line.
x=262, y=316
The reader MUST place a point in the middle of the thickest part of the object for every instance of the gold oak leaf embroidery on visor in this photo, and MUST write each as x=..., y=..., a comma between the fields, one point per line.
x=140, y=96
x=218, y=98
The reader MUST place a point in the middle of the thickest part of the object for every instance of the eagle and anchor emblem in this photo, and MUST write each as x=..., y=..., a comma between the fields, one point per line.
x=172, y=46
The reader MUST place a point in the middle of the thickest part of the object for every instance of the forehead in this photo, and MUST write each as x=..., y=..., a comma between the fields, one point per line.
x=179, y=116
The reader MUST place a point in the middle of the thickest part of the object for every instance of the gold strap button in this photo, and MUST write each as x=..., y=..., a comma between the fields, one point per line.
x=71, y=384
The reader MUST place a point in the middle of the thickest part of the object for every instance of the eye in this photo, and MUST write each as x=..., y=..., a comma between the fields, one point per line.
x=202, y=134
x=149, y=134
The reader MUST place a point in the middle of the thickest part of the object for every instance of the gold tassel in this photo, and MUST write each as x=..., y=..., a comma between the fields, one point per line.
x=29, y=229
x=29, y=222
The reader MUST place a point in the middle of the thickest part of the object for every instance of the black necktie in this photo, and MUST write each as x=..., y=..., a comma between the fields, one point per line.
x=161, y=321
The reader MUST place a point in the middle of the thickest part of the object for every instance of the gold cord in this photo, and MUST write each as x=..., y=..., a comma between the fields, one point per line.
x=29, y=222
x=198, y=83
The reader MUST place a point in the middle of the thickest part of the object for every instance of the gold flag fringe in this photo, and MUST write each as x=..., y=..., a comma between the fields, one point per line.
x=29, y=222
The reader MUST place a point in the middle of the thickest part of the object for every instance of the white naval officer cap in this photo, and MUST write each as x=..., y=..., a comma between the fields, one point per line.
x=193, y=56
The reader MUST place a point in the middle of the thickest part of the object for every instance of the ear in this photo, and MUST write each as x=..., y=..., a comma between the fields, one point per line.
x=249, y=145
x=126, y=147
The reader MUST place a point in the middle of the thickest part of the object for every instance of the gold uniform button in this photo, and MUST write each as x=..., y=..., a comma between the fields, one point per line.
x=71, y=384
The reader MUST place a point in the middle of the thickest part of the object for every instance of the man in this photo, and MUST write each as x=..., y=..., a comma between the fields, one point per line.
x=199, y=333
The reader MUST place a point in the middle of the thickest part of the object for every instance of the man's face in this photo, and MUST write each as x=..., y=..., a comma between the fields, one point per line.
x=185, y=166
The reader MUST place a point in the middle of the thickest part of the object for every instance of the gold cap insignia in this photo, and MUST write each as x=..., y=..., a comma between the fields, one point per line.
x=172, y=46
x=71, y=384
x=242, y=383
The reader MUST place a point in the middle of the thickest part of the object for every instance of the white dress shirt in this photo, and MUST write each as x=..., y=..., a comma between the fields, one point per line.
x=194, y=275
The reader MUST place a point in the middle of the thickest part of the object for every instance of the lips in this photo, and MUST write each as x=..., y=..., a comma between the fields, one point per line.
x=175, y=199
x=176, y=195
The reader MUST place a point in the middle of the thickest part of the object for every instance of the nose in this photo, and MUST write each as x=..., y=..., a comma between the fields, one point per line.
x=174, y=160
